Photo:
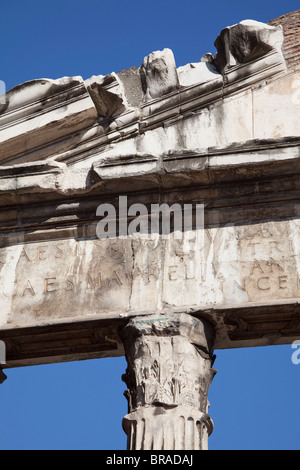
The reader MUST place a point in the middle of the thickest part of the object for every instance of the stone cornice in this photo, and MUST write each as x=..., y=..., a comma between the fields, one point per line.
x=70, y=118
x=55, y=177
x=255, y=178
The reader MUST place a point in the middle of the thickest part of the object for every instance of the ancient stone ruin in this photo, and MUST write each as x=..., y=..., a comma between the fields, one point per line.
x=218, y=139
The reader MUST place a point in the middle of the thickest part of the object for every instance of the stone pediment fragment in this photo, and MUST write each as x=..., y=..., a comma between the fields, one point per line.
x=159, y=74
x=107, y=95
x=40, y=112
x=245, y=42
x=72, y=119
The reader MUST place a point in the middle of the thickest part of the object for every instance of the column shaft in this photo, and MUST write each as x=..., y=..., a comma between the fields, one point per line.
x=168, y=377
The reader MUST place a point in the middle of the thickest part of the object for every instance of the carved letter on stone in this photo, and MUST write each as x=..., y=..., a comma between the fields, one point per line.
x=168, y=377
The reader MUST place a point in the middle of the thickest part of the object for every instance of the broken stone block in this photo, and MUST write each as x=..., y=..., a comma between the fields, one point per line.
x=107, y=94
x=245, y=42
x=131, y=81
x=159, y=74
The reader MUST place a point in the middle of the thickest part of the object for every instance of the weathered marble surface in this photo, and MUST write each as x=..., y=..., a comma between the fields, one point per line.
x=246, y=41
x=223, y=132
x=230, y=266
x=158, y=74
x=157, y=107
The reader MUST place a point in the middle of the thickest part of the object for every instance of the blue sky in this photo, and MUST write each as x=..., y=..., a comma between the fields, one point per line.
x=254, y=397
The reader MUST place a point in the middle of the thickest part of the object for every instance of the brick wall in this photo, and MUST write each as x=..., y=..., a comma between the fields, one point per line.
x=291, y=28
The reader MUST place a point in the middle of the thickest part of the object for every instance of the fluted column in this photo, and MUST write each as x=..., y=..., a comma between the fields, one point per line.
x=168, y=377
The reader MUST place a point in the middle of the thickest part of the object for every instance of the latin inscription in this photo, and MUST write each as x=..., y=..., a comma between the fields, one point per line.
x=182, y=272
x=268, y=261
x=257, y=261
x=234, y=265
x=70, y=283
x=49, y=268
